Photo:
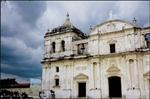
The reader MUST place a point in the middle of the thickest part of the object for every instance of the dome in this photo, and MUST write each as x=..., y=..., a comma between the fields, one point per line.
x=66, y=27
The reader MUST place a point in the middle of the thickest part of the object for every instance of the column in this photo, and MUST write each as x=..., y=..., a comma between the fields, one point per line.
x=72, y=80
x=43, y=78
x=130, y=74
x=49, y=77
x=66, y=78
x=69, y=76
x=135, y=80
x=69, y=79
x=95, y=74
x=91, y=79
x=58, y=48
x=98, y=75
x=46, y=77
x=132, y=71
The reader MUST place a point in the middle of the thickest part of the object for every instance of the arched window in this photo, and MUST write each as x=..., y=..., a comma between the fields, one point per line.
x=81, y=48
x=112, y=48
x=57, y=69
x=56, y=80
x=53, y=47
x=63, y=45
x=147, y=39
x=131, y=61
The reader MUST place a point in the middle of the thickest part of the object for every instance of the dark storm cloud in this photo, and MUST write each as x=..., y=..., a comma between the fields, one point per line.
x=5, y=31
x=20, y=59
x=30, y=11
x=29, y=71
x=19, y=20
x=11, y=56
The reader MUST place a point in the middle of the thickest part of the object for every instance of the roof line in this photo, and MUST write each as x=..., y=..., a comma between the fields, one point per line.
x=113, y=21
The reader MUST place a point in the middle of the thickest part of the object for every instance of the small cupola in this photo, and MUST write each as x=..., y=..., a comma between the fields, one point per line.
x=66, y=27
x=67, y=22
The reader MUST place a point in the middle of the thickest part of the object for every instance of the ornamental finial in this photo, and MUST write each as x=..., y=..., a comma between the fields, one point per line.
x=67, y=15
x=134, y=20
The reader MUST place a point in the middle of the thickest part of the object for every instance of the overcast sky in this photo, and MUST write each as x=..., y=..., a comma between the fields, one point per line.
x=23, y=25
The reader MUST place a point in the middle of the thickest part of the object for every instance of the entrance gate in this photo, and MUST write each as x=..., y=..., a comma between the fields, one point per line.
x=115, y=86
x=82, y=89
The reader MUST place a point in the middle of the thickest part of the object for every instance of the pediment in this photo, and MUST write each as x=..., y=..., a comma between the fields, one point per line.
x=113, y=69
x=81, y=76
x=112, y=41
x=56, y=76
x=112, y=26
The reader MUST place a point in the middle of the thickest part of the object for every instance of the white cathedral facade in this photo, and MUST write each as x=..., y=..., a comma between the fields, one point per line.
x=112, y=61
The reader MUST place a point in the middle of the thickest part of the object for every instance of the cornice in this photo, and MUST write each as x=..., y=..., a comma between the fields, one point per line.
x=88, y=56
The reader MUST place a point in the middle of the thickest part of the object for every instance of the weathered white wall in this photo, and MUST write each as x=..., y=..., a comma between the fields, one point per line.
x=126, y=63
x=131, y=76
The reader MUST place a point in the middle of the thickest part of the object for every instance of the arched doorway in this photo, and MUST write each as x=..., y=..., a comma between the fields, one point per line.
x=115, y=86
x=82, y=89
x=81, y=81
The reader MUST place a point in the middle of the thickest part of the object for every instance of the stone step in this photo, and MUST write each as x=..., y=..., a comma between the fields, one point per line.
x=116, y=98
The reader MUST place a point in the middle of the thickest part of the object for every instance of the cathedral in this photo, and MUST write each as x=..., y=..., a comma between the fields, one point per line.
x=113, y=61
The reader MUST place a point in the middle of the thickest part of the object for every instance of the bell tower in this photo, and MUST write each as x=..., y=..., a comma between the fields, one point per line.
x=58, y=41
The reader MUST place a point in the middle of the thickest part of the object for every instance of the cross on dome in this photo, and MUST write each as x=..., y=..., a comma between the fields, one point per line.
x=68, y=17
x=134, y=20
x=67, y=21
x=67, y=14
